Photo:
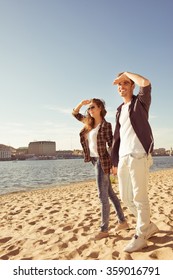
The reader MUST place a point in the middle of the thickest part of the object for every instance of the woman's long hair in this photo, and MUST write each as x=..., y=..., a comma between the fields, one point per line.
x=89, y=121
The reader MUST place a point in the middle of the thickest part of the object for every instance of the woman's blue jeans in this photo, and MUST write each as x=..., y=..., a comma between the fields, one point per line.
x=105, y=191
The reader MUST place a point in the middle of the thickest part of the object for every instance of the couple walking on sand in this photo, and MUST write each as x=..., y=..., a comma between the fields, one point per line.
x=126, y=154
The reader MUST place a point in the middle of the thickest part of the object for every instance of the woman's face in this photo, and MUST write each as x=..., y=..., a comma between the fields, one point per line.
x=94, y=110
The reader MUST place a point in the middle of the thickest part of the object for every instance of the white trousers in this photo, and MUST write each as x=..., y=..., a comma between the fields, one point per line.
x=133, y=173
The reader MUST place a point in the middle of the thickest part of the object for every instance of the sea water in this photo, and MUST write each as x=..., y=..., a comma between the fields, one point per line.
x=36, y=174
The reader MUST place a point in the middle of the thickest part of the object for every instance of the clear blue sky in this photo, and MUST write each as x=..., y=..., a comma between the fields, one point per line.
x=54, y=53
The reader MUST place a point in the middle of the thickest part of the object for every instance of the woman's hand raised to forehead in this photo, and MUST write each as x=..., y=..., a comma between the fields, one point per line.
x=85, y=102
x=79, y=106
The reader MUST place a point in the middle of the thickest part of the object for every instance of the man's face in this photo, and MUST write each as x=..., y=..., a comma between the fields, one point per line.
x=125, y=88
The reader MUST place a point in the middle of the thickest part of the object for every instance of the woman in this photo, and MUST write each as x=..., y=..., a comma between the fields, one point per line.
x=94, y=138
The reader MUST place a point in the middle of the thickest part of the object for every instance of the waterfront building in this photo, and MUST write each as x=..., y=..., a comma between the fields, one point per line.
x=22, y=151
x=5, y=152
x=42, y=148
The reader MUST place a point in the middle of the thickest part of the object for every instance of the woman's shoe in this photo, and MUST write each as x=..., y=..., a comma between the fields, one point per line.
x=101, y=235
x=122, y=226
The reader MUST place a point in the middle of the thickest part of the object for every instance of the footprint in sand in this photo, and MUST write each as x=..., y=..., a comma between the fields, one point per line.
x=12, y=247
x=14, y=212
x=73, y=238
x=72, y=255
x=10, y=254
x=40, y=216
x=67, y=228
x=49, y=231
x=5, y=239
x=86, y=228
x=19, y=227
x=161, y=210
x=40, y=242
x=163, y=253
x=26, y=259
x=93, y=255
x=53, y=211
x=125, y=256
x=32, y=223
x=63, y=245
x=94, y=220
x=115, y=255
x=48, y=208
x=82, y=248
x=66, y=215
x=76, y=230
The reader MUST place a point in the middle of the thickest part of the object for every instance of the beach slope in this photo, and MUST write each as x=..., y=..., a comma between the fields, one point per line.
x=61, y=223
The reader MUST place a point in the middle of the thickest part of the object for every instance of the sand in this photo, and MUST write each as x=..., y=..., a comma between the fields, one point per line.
x=61, y=223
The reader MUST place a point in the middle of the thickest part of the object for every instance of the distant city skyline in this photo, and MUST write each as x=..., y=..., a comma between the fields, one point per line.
x=56, y=53
x=80, y=148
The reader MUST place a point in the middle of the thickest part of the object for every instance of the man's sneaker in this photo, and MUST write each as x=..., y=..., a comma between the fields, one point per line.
x=136, y=244
x=152, y=229
x=101, y=235
x=122, y=226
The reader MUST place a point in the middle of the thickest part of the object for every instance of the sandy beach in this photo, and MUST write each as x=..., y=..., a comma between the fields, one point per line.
x=61, y=223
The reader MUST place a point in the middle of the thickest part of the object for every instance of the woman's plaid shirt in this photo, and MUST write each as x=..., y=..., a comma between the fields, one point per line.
x=104, y=141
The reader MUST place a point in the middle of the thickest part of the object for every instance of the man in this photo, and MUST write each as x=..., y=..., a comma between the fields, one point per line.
x=131, y=153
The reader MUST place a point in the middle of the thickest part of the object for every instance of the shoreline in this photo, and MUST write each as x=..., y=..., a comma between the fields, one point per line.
x=60, y=223
x=49, y=187
x=64, y=185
